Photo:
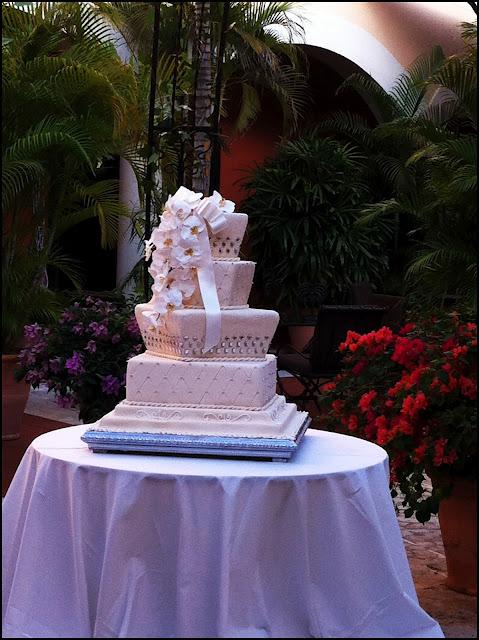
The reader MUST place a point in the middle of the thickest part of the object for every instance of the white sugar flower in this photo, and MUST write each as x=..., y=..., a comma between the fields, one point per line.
x=159, y=286
x=188, y=196
x=159, y=278
x=226, y=206
x=151, y=316
x=185, y=280
x=168, y=299
x=191, y=229
x=165, y=240
x=186, y=256
x=159, y=269
x=149, y=244
x=168, y=221
x=182, y=203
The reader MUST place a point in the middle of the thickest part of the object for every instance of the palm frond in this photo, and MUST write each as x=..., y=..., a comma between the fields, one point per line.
x=368, y=87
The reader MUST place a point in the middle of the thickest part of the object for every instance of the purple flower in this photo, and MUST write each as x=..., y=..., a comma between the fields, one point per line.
x=104, y=307
x=32, y=331
x=133, y=328
x=54, y=364
x=78, y=329
x=27, y=358
x=90, y=300
x=67, y=316
x=110, y=385
x=91, y=346
x=65, y=401
x=98, y=329
x=116, y=338
x=33, y=377
x=74, y=364
x=138, y=347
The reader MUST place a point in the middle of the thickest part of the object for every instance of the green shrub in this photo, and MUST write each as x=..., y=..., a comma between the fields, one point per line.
x=302, y=211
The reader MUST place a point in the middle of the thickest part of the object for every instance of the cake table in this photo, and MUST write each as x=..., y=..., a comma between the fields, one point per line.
x=103, y=545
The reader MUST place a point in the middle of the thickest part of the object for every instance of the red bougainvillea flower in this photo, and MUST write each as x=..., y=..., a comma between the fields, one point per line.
x=408, y=328
x=366, y=400
x=407, y=351
x=412, y=392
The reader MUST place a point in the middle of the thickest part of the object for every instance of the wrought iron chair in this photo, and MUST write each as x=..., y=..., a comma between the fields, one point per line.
x=320, y=361
x=362, y=293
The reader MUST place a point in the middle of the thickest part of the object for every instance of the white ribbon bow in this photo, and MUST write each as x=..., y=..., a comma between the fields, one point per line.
x=213, y=215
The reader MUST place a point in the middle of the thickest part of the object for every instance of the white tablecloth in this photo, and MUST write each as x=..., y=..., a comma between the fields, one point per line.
x=116, y=545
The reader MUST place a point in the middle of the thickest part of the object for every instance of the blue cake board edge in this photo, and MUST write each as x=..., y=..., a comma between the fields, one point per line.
x=276, y=449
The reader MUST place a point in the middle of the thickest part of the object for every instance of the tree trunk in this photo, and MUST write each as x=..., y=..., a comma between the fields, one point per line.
x=203, y=106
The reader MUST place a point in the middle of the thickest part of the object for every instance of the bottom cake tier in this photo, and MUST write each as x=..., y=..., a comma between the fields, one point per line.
x=274, y=431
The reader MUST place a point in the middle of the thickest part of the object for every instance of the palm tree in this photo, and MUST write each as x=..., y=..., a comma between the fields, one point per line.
x=256, y=58
x=66, y=100
x=424, y=149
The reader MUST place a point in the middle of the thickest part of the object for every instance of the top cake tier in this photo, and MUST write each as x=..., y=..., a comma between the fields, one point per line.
x=226, y=244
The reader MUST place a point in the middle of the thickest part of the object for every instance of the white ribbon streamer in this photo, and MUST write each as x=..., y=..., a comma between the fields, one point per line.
x=207, y=285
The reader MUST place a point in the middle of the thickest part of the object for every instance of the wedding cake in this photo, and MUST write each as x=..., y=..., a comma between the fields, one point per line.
x=206, y=383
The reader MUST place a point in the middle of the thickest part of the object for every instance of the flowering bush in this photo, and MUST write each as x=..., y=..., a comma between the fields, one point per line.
x=413, y=393
x=83, y=357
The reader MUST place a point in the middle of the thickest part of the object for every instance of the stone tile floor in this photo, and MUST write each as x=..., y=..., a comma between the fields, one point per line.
x=455, y=612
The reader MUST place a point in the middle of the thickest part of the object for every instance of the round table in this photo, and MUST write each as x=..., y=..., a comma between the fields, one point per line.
x=119, y=545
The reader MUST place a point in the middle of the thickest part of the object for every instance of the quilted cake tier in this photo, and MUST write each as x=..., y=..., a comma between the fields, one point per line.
x=278, y=419
x=225, y=244
x=245, y=333
x=234, y=280
x=233, y=384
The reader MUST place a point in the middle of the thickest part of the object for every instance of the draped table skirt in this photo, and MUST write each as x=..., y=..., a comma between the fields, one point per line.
x=127, y=546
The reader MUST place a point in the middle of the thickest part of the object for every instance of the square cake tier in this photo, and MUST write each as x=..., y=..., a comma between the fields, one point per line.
x=232, y=384
x=245, y=333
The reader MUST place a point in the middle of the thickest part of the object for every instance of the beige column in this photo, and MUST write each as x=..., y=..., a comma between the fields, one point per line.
x=129, y=251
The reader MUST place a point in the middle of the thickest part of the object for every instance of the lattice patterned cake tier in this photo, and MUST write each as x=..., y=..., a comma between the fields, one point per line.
x=227, y=383
x=187, y=347
x=245, y=333
x=227, y=242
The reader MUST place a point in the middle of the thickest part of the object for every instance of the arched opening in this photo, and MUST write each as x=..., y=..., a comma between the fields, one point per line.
x=327, y=70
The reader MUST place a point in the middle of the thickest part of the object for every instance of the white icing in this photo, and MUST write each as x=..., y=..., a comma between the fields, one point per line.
x=278, y=419
x=233, y=284
x=228, y=383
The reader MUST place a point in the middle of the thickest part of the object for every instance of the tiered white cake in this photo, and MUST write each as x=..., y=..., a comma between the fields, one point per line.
x=206, y=371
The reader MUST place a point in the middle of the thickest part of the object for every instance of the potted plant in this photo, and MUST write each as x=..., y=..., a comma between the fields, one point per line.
x=23, y=297
x=302, y=207
x=83, y=358
x=414, y=393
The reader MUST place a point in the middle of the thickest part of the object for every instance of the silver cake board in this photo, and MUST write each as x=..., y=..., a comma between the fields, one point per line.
x=275, y=449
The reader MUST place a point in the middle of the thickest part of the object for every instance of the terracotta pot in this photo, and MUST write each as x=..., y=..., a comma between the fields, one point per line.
x=300, y=335
x=458, y=521
x=14, y=398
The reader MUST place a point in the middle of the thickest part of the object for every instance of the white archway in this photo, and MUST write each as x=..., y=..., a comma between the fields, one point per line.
x=328, y=30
